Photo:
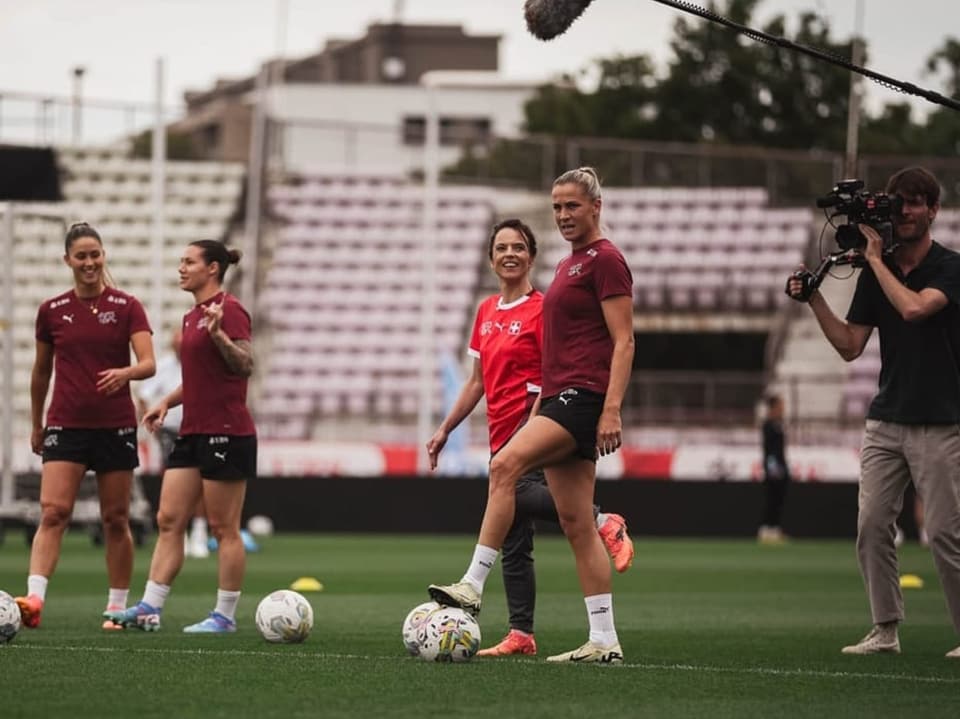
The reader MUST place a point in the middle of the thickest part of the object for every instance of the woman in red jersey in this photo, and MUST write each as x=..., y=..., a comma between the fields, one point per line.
x=587, y=359
x=86, y=335
x=216, y=451
x=506, y=345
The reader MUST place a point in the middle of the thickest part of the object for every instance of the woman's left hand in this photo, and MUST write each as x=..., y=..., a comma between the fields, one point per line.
x=609, y=432
x=113, y=380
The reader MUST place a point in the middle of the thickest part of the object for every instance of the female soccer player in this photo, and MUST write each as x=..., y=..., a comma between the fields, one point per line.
x=216, y=452
x=506, y=346
x=587, y=358
x=86, y=335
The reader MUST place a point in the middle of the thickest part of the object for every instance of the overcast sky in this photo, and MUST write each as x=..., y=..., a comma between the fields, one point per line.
x=118, y=42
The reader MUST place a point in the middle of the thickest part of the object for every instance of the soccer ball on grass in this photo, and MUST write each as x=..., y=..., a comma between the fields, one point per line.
x=449, y=634
x=9, y=618
x=284, y=617
x=414, y=625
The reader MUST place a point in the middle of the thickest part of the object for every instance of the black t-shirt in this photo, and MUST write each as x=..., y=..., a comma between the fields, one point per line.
x=920, y=361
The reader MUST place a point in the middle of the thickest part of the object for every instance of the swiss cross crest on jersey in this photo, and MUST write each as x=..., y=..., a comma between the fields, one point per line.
x=515, y=326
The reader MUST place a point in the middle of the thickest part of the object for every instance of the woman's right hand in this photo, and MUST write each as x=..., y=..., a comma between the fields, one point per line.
x=36, y=440
x=436, y=443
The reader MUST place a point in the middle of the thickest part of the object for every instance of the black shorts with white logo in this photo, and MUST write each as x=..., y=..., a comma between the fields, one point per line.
x=217, y=456
x=577, y=411
x=102, y=450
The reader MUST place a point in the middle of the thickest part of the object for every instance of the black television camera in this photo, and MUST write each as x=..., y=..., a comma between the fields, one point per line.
x=849, y=199
x=861, y=207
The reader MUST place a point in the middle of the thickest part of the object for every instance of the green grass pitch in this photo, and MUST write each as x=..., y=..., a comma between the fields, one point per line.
x=709, y=629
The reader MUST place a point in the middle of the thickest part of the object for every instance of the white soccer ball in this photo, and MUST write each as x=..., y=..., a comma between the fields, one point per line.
x=260, y=526
x=449, y=635
x=9, y=618
x=414, y=624
x=284, y=617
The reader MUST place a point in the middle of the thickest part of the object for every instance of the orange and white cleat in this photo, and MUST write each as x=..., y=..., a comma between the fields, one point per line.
x=617, y=541
x=516, y=642
x=30, y=608
x=108, y=624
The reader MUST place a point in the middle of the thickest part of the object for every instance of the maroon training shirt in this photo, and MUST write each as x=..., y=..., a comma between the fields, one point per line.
x=214, y=399
x=84, y=344
x=577, y=348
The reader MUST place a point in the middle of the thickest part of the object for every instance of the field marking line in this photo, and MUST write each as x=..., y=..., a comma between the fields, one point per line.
x=763, y=671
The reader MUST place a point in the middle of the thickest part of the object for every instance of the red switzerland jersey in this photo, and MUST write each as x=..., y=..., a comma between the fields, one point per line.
x=507, y=340
x=85, y=344
x=577, y=348
x=214, y=399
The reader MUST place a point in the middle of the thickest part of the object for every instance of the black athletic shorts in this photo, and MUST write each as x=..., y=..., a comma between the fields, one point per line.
x=217, y=456
x=577, y=411
x=102, y=450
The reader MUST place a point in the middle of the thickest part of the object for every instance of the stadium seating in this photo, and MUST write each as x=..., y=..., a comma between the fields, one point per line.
x=343, y=296
x=702, y=249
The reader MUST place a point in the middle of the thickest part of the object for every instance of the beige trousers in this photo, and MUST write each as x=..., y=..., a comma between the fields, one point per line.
x=893, y=455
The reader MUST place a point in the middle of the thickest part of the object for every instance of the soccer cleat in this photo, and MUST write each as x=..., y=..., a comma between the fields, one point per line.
x=30, y=608
x=108, y=624
x=516, y=642
x=953, y=653
x=461, y=594
x=878, y=640
x=140, y=616
x=591, y=653
x=617, y=541
x=215, y=623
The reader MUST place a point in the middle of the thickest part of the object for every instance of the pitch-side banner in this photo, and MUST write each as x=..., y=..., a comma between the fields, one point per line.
x=744, y=464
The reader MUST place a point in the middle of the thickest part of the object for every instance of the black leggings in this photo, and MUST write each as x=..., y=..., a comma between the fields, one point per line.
x=533, y=501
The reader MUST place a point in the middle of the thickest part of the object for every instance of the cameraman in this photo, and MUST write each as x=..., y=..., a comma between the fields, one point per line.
x=913, y=425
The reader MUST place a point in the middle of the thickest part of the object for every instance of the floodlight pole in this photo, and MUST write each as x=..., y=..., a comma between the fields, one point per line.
x=158, y=178
x=428, y=274
x=850, y=168
x=6, y=429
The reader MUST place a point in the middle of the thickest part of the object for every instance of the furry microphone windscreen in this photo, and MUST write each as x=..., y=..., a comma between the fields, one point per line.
x=548, y=18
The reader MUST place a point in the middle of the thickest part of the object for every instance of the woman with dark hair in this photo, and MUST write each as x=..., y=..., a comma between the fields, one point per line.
x=86, y=335
x=507, y=346
x=216, y=451
x=587, y=358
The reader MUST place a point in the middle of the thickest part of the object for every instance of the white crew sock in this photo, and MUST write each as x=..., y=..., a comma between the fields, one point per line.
x=601, y=519
x=117, y=597
x=483, y=560
x=227, y=603
x=600, y=614
x=156, y=594
x=37, y=584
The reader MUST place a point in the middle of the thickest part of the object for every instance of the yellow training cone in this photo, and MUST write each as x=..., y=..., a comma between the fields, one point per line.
x=307, y=584
x=911, y=581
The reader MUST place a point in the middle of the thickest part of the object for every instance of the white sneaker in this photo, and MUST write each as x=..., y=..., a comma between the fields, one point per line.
x=461, y=594
x=878, y=640
x=954, y=653
x=591, y=653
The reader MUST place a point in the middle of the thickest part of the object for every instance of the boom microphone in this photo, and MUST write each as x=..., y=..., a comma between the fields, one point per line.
x=548, y=18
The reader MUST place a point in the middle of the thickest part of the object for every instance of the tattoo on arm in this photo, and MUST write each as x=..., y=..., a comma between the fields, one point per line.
x=238, y=355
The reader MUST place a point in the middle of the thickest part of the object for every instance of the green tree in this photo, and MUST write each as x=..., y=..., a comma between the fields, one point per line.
x=179, y=146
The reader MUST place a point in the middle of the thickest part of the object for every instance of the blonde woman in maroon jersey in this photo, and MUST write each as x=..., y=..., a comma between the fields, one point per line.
x=587, y=358
x=86, y=335
x=216, y=451
x=507, y=344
